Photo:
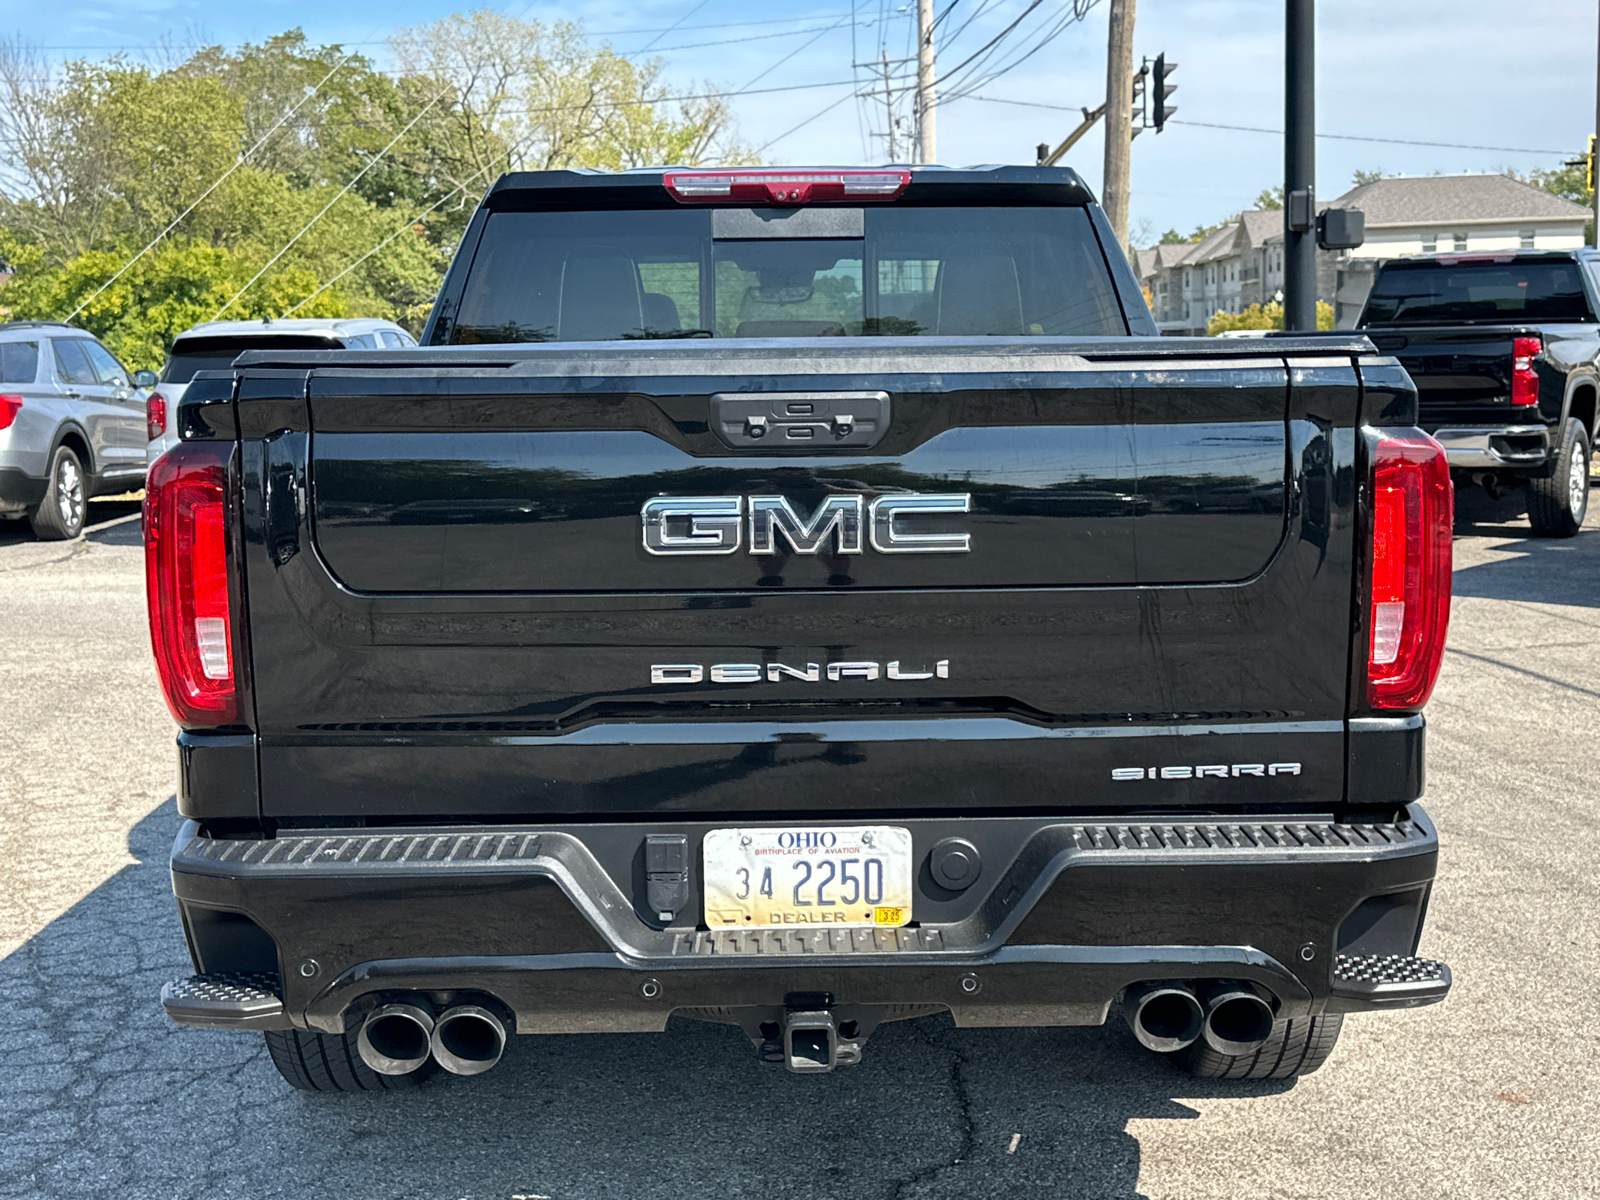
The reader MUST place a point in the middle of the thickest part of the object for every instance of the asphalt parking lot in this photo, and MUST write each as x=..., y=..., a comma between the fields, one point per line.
x=1494, y=1093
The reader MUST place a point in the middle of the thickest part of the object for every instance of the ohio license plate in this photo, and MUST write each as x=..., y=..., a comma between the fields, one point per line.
x=807, y=875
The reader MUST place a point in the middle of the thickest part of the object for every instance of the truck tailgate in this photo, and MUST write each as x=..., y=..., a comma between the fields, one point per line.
x=448, y=557
x=1462, y=372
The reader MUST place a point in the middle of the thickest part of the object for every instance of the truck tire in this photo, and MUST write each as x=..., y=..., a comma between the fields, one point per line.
x=324, y=1062
x=1293, y=1048
x=59, y=517
x=1557, y=503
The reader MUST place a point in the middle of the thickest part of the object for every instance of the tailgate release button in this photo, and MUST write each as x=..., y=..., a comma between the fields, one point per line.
x=666, y=870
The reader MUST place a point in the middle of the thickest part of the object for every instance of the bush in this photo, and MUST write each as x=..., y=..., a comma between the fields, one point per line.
x=1261, y=316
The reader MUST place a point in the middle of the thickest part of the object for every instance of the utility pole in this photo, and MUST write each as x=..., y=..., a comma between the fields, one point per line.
x=1300, y=167
x=1593, y=147
x=925, y=101
x=1119, y=118
x=888, y=110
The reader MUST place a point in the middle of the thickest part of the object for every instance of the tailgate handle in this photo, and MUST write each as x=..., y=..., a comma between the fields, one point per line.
x=775, y=421
x=285, y=493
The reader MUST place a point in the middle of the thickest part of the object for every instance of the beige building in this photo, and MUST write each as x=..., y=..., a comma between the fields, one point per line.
x=1242, y=263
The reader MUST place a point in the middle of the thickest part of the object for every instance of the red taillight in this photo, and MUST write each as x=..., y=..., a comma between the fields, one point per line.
x=1413, y=506
x=1524, y=379
x=777, y=186
x=155, y=416
x=186, y=579
x=10, y=405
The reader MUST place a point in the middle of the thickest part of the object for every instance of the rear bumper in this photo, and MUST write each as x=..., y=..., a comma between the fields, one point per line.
x=19, y=491
x=1494, y=448
x=553, y=923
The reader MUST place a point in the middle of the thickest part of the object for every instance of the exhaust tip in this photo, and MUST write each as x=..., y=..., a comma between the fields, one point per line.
x=394, y=1039
x=468, y=1040
x=1164, y=1017
x=1238, y=1021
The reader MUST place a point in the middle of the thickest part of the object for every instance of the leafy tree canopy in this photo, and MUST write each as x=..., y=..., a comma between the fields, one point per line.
x=286, y=177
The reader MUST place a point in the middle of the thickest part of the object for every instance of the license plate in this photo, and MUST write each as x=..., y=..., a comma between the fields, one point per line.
x=843, y=877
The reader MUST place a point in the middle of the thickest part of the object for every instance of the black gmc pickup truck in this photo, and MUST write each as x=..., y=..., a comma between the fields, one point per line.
x=1504, y=348
x=800, y=600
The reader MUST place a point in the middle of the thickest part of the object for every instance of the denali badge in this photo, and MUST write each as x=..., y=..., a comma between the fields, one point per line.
x=716, y=524
x=1218, y=771
x=837, y=672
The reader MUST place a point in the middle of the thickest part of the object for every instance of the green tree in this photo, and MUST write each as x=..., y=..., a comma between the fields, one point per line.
x=1362, y=178
x=290, y=177
x=1172, y=238
x=1270, y=199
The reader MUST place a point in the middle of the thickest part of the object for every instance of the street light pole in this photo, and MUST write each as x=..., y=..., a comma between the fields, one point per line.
x=1299, y=167
x=1594, y=143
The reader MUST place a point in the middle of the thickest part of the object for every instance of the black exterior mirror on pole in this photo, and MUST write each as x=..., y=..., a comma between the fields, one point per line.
x=1341, y=228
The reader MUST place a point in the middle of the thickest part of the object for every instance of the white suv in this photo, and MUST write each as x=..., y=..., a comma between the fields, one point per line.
x=214, y=345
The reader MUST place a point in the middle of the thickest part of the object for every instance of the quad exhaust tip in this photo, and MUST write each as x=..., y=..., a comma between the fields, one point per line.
x=468, y=1040
x=1164, y=1017
x=394, y=1039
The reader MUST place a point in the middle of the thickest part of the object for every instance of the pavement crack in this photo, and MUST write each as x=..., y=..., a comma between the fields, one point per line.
x=79, y=547
x=969, y=1137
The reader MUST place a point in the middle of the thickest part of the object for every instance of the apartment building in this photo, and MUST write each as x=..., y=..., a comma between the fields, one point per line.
x=1242, y=262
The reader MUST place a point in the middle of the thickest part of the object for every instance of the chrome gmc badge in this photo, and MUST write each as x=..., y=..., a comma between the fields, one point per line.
x=718, y=524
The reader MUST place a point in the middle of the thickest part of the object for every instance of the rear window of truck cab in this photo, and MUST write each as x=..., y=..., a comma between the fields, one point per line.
x=1493, y=289
x=901, y=271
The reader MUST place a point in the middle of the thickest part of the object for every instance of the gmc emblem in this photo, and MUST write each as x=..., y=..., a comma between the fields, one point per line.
x=717, y=524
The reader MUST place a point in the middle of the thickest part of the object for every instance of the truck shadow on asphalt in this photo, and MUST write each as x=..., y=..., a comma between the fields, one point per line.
x=105, y=524
x=1543, y=570
x=104, y=1097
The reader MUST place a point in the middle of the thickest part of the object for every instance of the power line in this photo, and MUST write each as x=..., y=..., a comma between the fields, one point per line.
x=755, y=37
x=819, y=113
x=1075, y=11
x=1351, y=137
x=437, y=204
x=849, y=16
x=239, y=162
x=588, y=33
x=674, y=25
x=342, y=191
x=1342, y=137
x=672, y=98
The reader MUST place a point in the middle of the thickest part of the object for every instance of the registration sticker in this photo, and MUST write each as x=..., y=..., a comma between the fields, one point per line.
x=778, y=877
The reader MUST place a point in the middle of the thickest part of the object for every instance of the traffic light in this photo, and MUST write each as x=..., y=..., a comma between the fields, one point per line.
x=1160, y=89
x=1141, y=114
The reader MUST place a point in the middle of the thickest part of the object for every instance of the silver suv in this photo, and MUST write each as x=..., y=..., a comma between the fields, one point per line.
x=214, y=345
x=72, y=425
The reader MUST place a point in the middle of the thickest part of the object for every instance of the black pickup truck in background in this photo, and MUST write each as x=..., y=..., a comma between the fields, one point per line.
x=1504, y=348
x=801, y=600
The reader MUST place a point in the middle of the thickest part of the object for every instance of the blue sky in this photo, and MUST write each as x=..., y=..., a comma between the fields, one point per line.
x=1516, y=77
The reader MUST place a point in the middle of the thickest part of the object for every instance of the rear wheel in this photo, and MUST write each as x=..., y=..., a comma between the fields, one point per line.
x=59, y=516
x=1293, y=1048
x=325, y=1062
x=1557, y=502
